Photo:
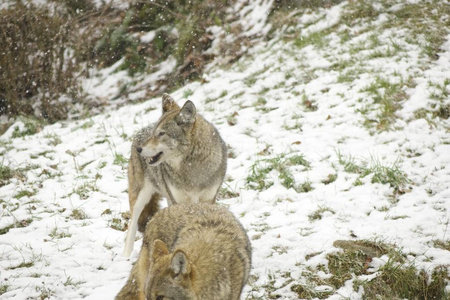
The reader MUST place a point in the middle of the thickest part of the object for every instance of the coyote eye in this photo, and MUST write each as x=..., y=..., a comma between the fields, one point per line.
x=162, y=133
x=159, y=297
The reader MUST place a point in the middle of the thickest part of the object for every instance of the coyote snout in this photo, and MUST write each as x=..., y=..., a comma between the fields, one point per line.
x=152, y=152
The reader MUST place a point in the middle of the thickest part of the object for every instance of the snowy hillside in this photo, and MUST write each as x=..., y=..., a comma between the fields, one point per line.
x=339, y=139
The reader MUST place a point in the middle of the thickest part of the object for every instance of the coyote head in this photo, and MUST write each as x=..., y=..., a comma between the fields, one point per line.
x=170, y=275
x=171, y=134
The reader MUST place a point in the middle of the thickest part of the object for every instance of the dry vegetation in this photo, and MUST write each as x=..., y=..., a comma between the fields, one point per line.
x=47, y=50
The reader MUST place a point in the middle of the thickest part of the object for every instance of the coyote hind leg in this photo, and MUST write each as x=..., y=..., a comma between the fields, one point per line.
x=149, y=210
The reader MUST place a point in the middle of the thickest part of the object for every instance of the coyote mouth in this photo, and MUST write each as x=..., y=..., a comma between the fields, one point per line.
x=155, y=158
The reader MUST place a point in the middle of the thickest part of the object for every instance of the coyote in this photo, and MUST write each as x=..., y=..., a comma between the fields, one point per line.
x=192, y=252
x=181, y=157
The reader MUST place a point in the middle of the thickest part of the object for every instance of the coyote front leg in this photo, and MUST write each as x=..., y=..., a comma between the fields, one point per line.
x=143, y=198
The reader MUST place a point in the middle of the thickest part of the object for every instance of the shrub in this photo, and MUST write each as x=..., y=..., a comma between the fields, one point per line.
x=190, y=19
x=36, y=65
x=45, y=51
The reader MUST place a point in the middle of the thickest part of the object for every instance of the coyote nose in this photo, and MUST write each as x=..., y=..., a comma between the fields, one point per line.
x=139, y=149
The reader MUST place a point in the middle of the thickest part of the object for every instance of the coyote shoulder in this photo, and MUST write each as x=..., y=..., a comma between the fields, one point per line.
x=191, y=251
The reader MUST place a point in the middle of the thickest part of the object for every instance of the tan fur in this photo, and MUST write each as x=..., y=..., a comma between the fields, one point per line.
x=191, y=252
x=181, y=158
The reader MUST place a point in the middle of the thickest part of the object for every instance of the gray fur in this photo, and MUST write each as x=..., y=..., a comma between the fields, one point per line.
x=180, y=157
x=204, y=158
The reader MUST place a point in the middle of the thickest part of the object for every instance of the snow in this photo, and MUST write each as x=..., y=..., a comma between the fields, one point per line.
x=81, y=258
x=148, y=37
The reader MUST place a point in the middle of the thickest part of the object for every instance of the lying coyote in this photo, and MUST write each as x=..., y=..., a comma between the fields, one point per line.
x=191, y=251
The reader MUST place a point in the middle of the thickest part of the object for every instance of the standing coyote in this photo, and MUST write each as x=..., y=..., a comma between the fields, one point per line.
x=191, y=252
x=181, y=157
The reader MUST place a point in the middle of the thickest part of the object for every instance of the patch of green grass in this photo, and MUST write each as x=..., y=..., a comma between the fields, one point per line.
x=107, y=212
x=358, y=11
x=341, y=65
x=223, y=93
x=389, y=96
x=274, y=283
x=70, y=281
x=187, y=93
x=396, y=281
x=3, y=287
x=54, y=139
x=118, y=224
x=349, y=75
x=23, y=264
x=318, y=39
x=430, y=115
x=305, y=291
x=30, y=127
x=231, y=119
x=425, y=114
x=119, y=159
x=20, y=224
x=354, y=259
x=349, y=164
x=358, y=182
x=261, y=101
x=258, y=178
x=391, y=175
x=286, y=178
x=79, y=214
x=85, y=125
x=308, y=104
x=380, y=53
x=439, y=91
x=427, y=21
x=57, y=234
x=304, y=187
x=398, y=217
x=298, y=160
x=318, y=214
x=25, y=193
x=252, y=78
x=297, y=126
x=85, y=189
x=6, y=173
x=81, y=167
x=442, y=111
x=442, y=244
x=45, y=292
x=238, y=95
x=330, y=178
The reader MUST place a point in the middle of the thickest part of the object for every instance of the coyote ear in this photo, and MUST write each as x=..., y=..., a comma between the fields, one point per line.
x=180, y=263
x=168, y=103
x=159, y=249
x=187, y=114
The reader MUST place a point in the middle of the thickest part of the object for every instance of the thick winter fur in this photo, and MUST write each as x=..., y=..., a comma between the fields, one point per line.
x=191, y=251
x=181, y=157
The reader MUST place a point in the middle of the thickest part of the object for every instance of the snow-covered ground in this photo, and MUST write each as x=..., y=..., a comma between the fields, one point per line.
x=293, y=124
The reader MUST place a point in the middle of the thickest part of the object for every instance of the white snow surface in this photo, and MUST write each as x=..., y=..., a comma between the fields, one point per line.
x=83, y=171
